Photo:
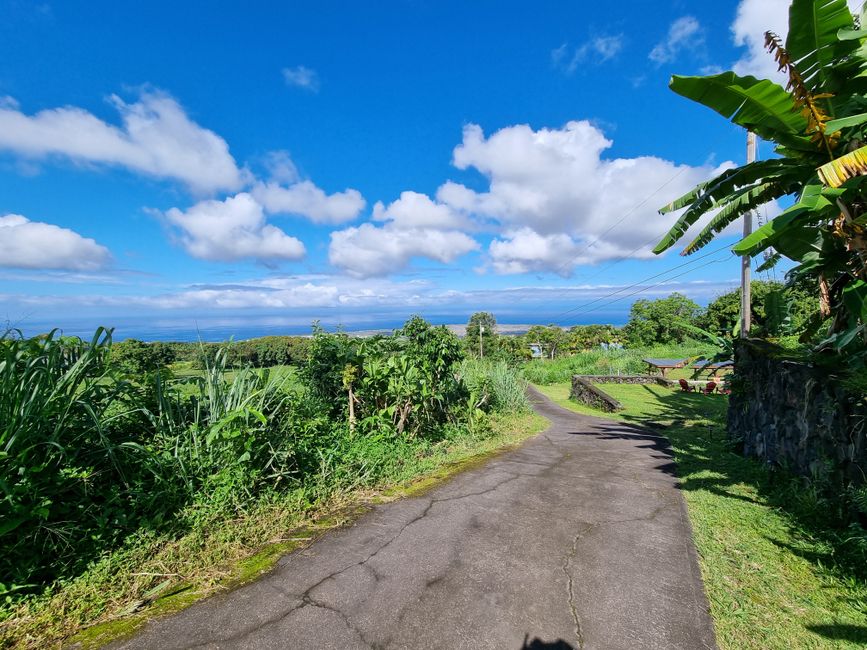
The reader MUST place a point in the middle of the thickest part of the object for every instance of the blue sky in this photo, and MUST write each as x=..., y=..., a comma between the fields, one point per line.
x=252, y=166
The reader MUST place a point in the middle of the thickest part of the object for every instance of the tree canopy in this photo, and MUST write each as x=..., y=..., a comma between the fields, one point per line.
x=658, y=321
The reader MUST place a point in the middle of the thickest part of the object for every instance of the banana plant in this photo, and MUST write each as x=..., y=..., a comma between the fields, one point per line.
x=818, y=124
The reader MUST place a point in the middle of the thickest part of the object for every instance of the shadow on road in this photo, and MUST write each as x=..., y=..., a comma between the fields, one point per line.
x=708, y=461
x=538, y=644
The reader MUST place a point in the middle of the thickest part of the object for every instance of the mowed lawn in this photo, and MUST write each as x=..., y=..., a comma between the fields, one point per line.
x=776, y=574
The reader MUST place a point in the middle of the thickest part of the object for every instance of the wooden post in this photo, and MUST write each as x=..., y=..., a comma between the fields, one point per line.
x=745, y=260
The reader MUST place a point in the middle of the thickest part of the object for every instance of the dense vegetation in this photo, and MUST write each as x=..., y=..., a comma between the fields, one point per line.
x=100, y=448
x=818, y=127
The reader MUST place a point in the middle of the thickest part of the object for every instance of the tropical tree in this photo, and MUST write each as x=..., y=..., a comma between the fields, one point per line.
x=484, y=322
x=657, y=321
x=583, y=337
x=776, y=309
x=818, y=123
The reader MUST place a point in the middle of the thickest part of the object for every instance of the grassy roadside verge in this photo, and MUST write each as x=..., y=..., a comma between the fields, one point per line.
x=156, y=574
x=776, y=574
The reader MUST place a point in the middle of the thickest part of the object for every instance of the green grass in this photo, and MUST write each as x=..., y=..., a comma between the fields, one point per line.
x=612, y=362
x=159, y=573
x=777, y=571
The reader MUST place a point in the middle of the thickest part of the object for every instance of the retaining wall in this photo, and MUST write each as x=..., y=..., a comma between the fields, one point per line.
x=795, y=414
x=585, y=392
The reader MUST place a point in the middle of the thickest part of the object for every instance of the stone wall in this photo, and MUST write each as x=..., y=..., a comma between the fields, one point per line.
x=627, y=379
x=586, y=393
x=797, y=415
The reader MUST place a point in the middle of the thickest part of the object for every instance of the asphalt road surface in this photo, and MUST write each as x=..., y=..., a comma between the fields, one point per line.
x=577, y=539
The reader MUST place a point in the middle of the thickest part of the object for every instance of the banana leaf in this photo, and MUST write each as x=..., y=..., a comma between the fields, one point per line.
x=813, y=43
x=759, y=105
x=785, y=174
x=743, y=201
x=841, y=169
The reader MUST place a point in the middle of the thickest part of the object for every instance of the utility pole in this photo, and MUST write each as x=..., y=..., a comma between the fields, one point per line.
x=745, y=260
x=481, y=345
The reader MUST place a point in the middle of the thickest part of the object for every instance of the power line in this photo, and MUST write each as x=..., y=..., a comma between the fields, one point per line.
x=640, y=282
x=620, y=259
x=624, y=217
x=658, y=284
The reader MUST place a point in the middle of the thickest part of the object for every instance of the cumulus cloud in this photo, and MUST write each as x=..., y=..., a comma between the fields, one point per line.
x=414, y=210
x=753, y=19
x=232, y=229
x=594, y=51
x=301, y=77
x=414, y=226
x=525, y=251
x=155, y=137
x=306, y=199
x=683, y=33
x=559, y=202
x=369, y=250
x=29, y=244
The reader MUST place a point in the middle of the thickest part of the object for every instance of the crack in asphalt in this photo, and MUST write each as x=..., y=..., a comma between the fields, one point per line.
x=570, y=556
x=570, y=585
x=561, y=432
x=308, y=600
x=349, y=625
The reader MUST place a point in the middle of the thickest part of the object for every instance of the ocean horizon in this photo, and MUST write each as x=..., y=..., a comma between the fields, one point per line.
x=215, y=329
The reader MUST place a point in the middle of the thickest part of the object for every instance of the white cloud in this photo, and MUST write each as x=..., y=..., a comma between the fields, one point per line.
x=526, y=251
x=336, y=298
x=29, y=244
x=753, y=19
x=305, y=199
x=281, y=168
x=414, y=226
x=559, y=202
x=302, y=295
x=302, y=77
x=369, y=250
x=594, y=51
x=682, y=34
x=156, y=137
x=414, y=210
x=232, y=229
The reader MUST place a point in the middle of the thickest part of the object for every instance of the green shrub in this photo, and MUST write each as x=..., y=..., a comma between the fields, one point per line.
x=93, y=453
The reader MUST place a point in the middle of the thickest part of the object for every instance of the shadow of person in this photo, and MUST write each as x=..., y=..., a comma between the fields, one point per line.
x=839, y=632
x=538, y=644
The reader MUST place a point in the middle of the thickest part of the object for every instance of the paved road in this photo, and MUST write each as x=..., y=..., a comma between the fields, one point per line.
x=578, y=539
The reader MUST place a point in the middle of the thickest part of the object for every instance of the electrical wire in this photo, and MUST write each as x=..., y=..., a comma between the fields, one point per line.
x=640, y=282
x=658, y=284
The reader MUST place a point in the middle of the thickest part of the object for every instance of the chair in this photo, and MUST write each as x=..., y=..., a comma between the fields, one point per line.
x=685, y=387
x=710, y=388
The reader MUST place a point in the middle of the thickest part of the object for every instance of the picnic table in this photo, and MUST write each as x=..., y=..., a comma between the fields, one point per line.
x=714, y=368
x=664, y=364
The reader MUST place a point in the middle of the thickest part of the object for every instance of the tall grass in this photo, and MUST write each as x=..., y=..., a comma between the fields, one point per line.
x=605, y=362
x=495, y=384
x=67, y=460
x=93, y=458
